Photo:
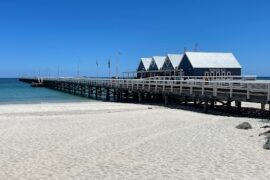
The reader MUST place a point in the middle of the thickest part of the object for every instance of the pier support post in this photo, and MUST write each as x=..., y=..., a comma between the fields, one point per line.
x=69, y=88
x=100, y=91
x=114, y=95
x=238, y=104
x=166, y=99
x=155, y=98
x=107, y=94
x=205, y=106
x=263, y=106
x=126, y=95
x=212, y=104
x=89, y=92
x=118, y=95
x=81, y=90
x=96, y=93
x=269, y=109
x=158, y=97
x=195, y=101
x=135, y=96
x=139, y=97
x=74, y=89
x=148, y=96
x=186, y=100
x=229, y=105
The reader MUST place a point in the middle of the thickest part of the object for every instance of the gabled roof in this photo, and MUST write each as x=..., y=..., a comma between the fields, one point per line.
x=159, y=60
x=175, y=59
x=146, y=62
x=212, y=60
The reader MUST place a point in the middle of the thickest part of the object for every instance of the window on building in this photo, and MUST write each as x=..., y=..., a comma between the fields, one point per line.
x=223, y=73
x=212, y=74
x=229, y=73
x=206, y=73
x=218, y=73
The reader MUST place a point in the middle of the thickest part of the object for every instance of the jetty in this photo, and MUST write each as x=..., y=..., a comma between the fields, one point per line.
x=200, y=91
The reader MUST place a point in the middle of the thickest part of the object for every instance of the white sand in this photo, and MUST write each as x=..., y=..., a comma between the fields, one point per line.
x=100, y=140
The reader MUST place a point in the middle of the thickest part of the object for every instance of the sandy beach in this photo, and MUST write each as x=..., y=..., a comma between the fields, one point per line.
x=102, y=140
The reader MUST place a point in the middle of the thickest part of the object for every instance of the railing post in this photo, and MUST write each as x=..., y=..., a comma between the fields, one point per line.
x=172, y=86
x=181, y=87
x=203, y=89
x=248, y=93
x=215, y=90
x=166, y=99
x=163, y=88
x=268, y=94
x=231, y=90
x=139, y=97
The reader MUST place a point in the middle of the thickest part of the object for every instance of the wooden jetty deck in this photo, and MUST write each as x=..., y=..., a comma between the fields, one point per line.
x=188, y=89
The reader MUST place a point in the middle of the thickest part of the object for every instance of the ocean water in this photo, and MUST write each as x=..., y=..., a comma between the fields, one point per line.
x=263, y=78
x=12, y=91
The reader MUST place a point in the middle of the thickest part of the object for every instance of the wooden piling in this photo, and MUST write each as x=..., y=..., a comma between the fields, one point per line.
x=166, y=99
x=118, y=95
x=186, y=100
x=81, y=88
x=262, y=105
x=89, y=91
x=127, y=95
x=195, y=101
x=212, y=104
x=238, y=104
x=107, y=94
x=96, y=93
x=229, y=104
x=140, y=97
x=205, y=106
x=269, y=109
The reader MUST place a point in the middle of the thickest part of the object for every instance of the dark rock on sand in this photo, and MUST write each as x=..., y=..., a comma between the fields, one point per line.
x=267, y=144
x=244, y=125
x=267, y=133
x=267, y=126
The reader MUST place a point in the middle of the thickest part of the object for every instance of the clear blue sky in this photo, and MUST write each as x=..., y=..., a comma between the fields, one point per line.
x=39, y=35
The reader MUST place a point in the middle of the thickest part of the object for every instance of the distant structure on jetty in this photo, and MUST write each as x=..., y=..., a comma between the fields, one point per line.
x=190, y=64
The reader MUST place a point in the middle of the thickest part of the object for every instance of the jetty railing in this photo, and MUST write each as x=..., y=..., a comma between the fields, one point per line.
x=251, y=89
x=209, y=78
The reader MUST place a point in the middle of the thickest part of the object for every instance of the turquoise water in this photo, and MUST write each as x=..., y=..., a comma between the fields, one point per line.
x=12, y=91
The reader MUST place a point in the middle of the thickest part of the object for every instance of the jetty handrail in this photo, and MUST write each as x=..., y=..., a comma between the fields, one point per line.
x=244, y=87
x=219, y=83
x=244, y=78
x=155, y=80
